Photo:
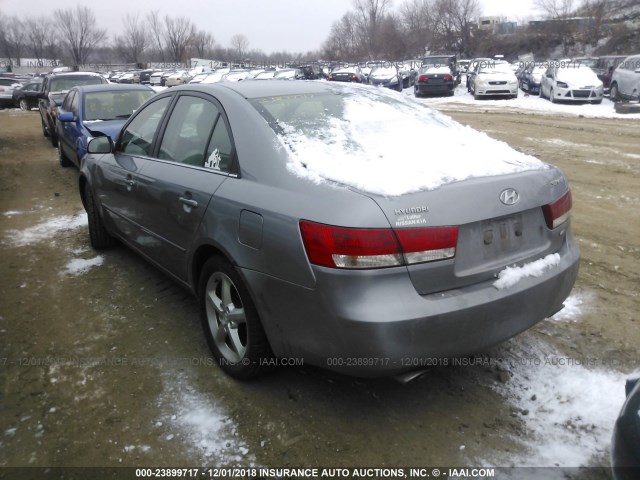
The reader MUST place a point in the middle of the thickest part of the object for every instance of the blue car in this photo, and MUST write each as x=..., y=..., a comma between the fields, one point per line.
x=93, y=111
x=531, y=78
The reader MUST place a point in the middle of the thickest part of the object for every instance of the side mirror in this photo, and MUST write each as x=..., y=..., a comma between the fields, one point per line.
x=100, y=145
x=67, y=117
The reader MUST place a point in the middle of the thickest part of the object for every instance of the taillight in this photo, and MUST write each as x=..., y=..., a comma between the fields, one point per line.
x=354, y=78
x=428, y=244
x=556, y=213
x=359, y=248
x=330, y=77
x=423, y=78
x=448, y=78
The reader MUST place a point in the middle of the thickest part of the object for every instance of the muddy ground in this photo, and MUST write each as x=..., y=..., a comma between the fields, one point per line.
x=102, y=360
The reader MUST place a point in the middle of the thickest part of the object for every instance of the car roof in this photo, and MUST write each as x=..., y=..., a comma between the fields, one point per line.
x=273, y=88
x=110, y=87
x=73, y=74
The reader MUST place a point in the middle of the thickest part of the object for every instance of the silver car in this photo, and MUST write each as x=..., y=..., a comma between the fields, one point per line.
x=296, y=215
x=625, y=81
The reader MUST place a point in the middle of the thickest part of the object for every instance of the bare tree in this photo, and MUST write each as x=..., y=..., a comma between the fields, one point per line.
x=345, y=41
x=156, y=34
x=42, y=38
x=13, y=38
x=203, y=43
x=134, y=39
x=79, y=32
x=418, y=24
x=370, y=14
x=239, y=43
x=179, y=33
x=555, y=9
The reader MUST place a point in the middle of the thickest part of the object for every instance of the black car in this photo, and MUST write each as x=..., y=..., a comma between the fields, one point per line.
x=347, y=74
x=434, y=80
x=26, y=97
x=312, y=72
x=625, y=445
x=54, y=90
x=443, y=61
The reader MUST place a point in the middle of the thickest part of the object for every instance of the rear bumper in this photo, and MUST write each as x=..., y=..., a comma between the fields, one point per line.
x=437, y=88
x=376, y=324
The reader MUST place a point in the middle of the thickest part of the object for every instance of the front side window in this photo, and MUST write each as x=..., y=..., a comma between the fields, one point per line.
x=137, y=139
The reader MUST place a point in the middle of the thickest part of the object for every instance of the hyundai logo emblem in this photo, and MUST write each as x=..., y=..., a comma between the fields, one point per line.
x=509, y=196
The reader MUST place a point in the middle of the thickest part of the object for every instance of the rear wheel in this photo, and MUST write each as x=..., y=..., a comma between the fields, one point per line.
x=53, y=137
x=45, y=132
x=230, y=321
x=614, y=93
x=551, y=97
x=98, y=234
x=24, y=105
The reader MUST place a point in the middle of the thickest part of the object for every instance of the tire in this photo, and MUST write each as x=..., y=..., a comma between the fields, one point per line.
x=24, y=105
x=62, y=158
x=230, y=321
x=551, y=97
x=416, y=93
x=614, y=93
x=400, y=85
x=98, y=234
x=45, y=132
x=54, y=138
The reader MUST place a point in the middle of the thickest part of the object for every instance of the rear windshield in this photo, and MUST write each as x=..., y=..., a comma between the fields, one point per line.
x=112, y=105
x=61, y=84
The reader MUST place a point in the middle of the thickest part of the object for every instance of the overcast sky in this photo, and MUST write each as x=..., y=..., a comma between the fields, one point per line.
x=270, y=25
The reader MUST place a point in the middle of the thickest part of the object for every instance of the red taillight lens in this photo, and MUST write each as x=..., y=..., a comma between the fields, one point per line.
x=354, y=78
x=350, y=247
x=556, y=213
x=428, y=244
x=330, y=77
x=341, y=247
x=423, y=78
x=448, y=78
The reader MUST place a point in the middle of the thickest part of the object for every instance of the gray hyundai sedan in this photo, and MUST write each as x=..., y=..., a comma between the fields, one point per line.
x=343, y=225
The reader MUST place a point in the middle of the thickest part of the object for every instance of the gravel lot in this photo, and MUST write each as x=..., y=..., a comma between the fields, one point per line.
x=103, y=361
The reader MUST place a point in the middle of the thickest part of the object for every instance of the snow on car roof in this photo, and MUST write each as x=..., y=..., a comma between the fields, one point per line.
x=386, y=144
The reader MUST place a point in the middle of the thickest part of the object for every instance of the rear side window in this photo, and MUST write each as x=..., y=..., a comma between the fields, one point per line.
x=138, y=137
x=220, y=151
x=188, y=131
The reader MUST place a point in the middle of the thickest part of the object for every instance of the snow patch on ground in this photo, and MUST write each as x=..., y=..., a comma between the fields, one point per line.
x=525, y=102
x=198, y=423
x=78, y=266
x=574, y=307
x=511, y=275
x=45, y=230
x=568, y=407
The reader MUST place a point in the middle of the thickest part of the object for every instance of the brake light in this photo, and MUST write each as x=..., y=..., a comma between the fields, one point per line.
x=423, y=78
x=354, y=78
x=556, y=213
x=428, y=244
x=330, y=77
x=448, y=78
x=359, y=248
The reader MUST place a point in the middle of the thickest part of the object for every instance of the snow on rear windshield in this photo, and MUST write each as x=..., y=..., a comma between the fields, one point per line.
x=379, y=142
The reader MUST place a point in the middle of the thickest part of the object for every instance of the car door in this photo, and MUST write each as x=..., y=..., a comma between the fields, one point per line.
x=65, y=142
x=75, y=131
x=118, y=175
x=193, y=158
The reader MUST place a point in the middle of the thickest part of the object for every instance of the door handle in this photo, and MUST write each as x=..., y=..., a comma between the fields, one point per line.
x=188, y=201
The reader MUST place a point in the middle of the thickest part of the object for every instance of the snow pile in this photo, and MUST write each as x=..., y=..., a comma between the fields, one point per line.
x=78, y=266
x=512, y=275
x=387, y=145
x=45, y=230
x=199, y=424
x=568, y=406
x=573, y=307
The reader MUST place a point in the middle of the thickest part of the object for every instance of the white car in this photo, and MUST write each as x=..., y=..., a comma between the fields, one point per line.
x=178, y=78
x=625, y=81
x=494, y=78
x=571, y=82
